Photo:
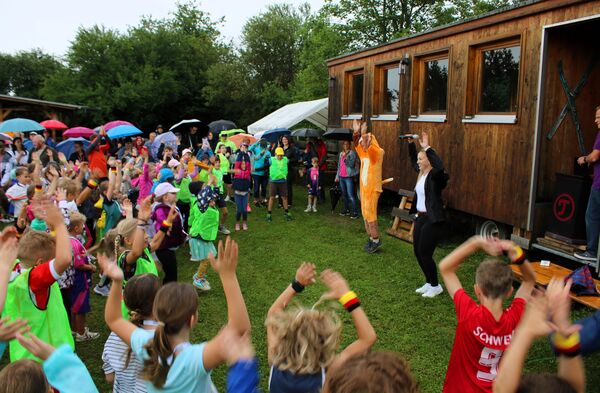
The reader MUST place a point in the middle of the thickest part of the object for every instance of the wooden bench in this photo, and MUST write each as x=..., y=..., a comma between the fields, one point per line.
x=544, y=274
x=403, y=224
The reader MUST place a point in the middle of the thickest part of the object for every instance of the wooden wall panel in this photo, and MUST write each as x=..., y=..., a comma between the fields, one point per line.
x=489, y=164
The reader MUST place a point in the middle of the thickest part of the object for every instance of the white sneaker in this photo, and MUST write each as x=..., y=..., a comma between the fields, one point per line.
x=433, y=291
x=308, y=209
x=314, y=208
x=424, y=288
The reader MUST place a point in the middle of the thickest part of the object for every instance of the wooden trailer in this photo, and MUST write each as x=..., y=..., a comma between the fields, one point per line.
x=488, y=91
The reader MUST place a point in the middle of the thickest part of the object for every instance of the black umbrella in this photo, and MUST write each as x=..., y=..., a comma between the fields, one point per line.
x=335, y=194
x=307, y=133
x=339, y=134
x=221, y=125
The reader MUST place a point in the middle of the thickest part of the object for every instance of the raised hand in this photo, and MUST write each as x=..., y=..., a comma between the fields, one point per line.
x=559, y=299
x=128, y=207
x=45, y=209
x=37, y=347
x=226, y=261
x=535, y=321
x=356, y=124
x=62, y=157
x=236, y=347
x=336, y=284
x=8, y=233
x=145, y=209
x=424, y=140
x=492, y=246
x=8, y=329
x=363, y=128
x=8, y=251
x=110, y=268
x=306, y=274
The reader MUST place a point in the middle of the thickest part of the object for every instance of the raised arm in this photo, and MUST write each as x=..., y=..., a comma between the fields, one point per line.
x=305, y=275
x=53, y=217
x=237, y=314
x=339, y=289
x=112, y=313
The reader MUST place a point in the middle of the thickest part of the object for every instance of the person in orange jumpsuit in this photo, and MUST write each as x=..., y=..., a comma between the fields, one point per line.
x=371, y=162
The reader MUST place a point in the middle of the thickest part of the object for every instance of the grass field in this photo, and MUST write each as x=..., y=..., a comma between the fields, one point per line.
x=422, y=330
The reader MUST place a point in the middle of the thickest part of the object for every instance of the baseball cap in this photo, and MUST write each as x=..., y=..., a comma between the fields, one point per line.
x=164, y=188
x=165, y=174
x=279, y=151
x=186, y=151
x=173, y=163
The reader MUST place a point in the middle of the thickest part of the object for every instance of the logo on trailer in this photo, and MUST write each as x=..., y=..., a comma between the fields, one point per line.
x=564, y=207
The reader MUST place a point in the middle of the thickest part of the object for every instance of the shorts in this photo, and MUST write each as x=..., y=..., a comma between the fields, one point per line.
x=227, y=178
x=314, y=189
x=80, y=299
x=220, y=202
x=278, y=188
x=368, y=205
x=199, y=249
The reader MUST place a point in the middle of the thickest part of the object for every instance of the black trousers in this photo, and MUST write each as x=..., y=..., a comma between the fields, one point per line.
x=168, y=260
x=426, y=236
x=184, y=208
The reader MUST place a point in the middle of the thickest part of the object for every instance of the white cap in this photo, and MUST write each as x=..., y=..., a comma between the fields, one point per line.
x=185, y=151
x=164, y=188
x=173, y=163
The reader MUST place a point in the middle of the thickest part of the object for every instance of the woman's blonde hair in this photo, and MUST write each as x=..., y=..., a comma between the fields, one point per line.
x=307, y=339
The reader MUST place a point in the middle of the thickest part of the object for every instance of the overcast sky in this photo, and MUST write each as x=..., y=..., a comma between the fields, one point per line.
x=51, y=25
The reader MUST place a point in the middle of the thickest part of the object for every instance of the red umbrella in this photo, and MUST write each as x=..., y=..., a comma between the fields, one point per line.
x=54, y=125
x=116, y=123
x=82, y=132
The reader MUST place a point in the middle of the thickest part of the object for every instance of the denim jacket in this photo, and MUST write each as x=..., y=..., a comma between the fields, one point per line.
x=350, y=161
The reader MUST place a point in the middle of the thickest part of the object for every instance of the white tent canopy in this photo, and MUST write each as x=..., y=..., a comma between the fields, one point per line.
x=314, y=112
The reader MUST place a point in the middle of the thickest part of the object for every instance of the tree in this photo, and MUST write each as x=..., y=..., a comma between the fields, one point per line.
x=372, y=22
x=271, y=45
x=154, y=73
x=23, y=74
x=319, y=41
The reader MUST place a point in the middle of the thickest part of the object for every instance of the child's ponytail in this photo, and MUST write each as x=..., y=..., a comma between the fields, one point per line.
x=175, y=308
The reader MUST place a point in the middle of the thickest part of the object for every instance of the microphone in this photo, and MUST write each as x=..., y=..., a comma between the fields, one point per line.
x=408, y=136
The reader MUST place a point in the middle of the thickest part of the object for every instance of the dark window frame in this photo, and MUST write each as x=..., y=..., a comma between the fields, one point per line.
x=380, y=87
x=349, y=88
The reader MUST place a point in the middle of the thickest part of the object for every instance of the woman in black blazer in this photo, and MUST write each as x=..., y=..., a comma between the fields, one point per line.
x=428, y=207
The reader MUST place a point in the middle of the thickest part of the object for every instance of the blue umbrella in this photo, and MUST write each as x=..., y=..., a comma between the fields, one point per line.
x=274, y=134
x=123, y=131
x=20, y=125
x=68, y=147
x=167, y=139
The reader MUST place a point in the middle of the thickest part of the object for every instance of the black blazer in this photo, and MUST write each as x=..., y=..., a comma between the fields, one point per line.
x=435, y=182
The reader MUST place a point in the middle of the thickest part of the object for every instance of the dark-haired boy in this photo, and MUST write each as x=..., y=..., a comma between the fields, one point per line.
x=484, y=330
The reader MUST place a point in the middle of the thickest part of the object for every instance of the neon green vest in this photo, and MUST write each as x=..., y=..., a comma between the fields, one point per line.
x=143, y=265
x=204, y=224
x=51, y=325
x=184, y=195
x=278, y=169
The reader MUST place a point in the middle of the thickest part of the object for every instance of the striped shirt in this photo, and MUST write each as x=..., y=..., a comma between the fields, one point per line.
x=114, y=357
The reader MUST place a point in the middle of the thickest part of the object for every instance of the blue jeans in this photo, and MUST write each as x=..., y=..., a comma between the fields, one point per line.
x=592, y=221
x=241, y=204
x=347, y=186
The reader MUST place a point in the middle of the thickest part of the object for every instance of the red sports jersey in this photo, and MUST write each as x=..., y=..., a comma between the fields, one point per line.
x=479, y=343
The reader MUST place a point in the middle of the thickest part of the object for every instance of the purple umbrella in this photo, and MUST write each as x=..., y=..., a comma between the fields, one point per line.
x=116, y=123
x=79, y=132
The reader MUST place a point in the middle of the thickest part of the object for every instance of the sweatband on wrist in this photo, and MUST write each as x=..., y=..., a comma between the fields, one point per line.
x=519, y=258
x=39, y=189
x=164, y=229
x=296, y=286
x=165, y=223
x=113, y=169
x=350, y=301
x=568, y=346
x=92, y=184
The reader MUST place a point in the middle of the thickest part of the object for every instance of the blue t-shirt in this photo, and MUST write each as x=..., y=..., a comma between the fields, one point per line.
x=187, y=373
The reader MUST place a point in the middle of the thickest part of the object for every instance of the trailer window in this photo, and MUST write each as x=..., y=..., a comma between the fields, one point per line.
x=355, y=99
x=493, y=84
x=435, y=86
x=430, y=85
x=390, y=89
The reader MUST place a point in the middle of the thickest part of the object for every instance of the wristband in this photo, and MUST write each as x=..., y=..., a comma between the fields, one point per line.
x=165, y=223
x=164, y=229
x=296, y=286
x=568, y=346
x=520, y=257
x=350, y=301
x=92, y=184
x=113, y=169
x=39, y=189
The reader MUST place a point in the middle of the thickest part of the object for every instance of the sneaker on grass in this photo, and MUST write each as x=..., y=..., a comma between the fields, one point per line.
x=102, y=291
x=423, y=289
x=224, y=230
x=201, y=283
x=433, y=291
x=86, y=336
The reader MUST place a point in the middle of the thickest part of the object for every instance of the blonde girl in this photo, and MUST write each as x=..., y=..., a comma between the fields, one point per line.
x=302, y=343
x=171, y=362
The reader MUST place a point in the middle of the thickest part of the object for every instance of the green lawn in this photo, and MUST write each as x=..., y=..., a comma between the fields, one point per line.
x=422, y=330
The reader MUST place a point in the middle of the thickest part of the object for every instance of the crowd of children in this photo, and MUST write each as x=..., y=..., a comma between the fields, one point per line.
x=132, y=216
